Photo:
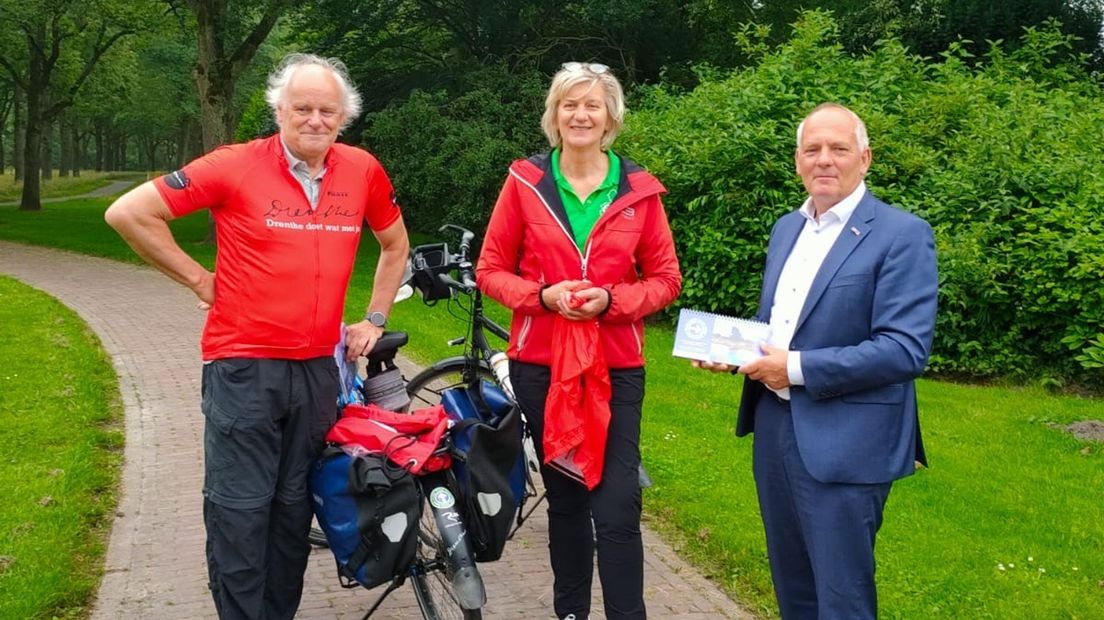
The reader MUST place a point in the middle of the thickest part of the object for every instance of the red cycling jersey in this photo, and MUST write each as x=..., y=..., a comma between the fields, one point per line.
x=282, y=268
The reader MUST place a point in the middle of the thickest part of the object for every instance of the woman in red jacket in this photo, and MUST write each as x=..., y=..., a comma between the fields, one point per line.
x=579, y=248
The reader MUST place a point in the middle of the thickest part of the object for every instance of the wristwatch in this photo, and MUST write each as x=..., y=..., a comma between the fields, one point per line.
x=378, y=319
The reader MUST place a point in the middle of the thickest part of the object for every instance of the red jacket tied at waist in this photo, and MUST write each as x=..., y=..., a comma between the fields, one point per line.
x=576, y=411
x=407, y=439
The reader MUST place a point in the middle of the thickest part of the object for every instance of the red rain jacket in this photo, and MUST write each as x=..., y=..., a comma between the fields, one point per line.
x=407, y=439
x=575, y=437
x=630, y=252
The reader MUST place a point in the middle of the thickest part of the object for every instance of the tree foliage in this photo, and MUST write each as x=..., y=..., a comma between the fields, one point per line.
x=448, y=155
x=62, y=42
x=1001, y=158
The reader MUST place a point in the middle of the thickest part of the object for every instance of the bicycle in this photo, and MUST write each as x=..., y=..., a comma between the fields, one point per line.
x=434, y=572
x=444, y=576
x=432, y=269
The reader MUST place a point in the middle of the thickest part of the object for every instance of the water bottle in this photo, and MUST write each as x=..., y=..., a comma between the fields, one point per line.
x=500, y=364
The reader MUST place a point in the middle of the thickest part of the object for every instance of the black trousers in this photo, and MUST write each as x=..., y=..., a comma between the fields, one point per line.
x=266, y=422
x=613, y=506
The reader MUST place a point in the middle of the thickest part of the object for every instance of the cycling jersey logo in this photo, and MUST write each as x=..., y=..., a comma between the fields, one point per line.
x=177, y=180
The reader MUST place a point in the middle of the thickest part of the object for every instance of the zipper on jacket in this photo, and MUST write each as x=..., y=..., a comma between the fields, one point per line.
x=570, y=239
x=523, y=333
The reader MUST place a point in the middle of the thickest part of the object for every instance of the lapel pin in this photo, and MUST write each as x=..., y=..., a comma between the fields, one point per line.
x=856, y=231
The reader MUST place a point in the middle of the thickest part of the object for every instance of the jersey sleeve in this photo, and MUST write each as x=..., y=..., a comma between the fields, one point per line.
x=382, y=208
x=201, y=184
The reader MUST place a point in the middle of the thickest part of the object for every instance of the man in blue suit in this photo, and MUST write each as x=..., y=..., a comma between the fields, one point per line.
x=849, y=290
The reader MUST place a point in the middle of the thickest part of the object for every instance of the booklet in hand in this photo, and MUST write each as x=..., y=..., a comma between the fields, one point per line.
x=709, y=337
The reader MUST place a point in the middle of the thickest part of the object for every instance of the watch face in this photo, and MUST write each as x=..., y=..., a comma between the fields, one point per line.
x=378, y=319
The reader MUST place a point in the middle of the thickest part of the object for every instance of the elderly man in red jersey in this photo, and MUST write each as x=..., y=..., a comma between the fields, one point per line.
x=289, y=211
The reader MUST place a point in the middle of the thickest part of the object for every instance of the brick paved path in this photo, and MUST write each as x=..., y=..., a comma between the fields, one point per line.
x=155, y=567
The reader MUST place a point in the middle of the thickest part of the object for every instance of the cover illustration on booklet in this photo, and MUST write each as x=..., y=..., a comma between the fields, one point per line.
x=709, y=337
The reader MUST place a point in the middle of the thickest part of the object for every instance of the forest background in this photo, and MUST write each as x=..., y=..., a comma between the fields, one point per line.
x=984, y=117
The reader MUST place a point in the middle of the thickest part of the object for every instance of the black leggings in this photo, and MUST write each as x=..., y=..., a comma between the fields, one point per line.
x=614, y=505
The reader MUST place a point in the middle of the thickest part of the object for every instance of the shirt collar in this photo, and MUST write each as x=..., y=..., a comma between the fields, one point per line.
x=613, y=175
x=295, y=163
x=841, y=211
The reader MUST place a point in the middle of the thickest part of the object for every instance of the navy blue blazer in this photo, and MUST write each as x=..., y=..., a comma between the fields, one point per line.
x=864, y=334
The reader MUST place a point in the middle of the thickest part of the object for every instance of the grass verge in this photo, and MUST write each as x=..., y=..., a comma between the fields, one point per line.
x=60, y=187
x=62, y=447
x=1006, y=523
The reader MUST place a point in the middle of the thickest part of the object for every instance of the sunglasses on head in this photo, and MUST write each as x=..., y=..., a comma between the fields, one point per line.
x=593, y=67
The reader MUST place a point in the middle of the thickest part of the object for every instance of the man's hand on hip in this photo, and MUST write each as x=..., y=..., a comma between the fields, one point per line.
x=205, y=291
x=769, y=369
x=360, y=338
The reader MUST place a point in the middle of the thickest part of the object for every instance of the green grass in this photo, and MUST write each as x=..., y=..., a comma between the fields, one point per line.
x=1004, y=485
x=59, y=429
x=60, y=187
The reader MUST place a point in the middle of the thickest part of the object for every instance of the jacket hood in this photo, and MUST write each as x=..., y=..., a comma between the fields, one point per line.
x=634, y=179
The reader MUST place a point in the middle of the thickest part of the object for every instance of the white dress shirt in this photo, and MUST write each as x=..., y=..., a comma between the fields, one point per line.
x=801, y=267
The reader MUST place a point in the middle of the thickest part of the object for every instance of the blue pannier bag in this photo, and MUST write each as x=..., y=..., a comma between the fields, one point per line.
x=369, y=510
x=488, y=462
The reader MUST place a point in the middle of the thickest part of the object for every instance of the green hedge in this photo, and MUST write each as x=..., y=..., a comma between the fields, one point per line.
x=1002, y=155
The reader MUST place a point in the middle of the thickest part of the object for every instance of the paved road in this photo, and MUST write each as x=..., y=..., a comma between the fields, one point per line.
x=155, y=566
x=115, y=187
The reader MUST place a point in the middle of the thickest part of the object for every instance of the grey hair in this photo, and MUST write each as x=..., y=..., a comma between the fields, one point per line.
x=861, y=136
x=279, y=78
x=564, y=81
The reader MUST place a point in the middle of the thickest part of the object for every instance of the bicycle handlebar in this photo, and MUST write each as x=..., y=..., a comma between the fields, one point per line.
x=461, y=260
x=467, y=286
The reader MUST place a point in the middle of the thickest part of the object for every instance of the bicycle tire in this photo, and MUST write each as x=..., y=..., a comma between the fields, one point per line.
x=432, y=584
x=425, y=388
x=317, y=538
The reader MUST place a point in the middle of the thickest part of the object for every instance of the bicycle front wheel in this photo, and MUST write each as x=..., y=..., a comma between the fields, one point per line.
x=433, y=588
x=426, y=387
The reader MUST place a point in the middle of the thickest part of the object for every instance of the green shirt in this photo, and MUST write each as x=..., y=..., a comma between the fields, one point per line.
x=584, y=214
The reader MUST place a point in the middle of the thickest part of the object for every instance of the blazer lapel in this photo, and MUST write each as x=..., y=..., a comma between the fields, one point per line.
x=853, y=233
x=785, y=236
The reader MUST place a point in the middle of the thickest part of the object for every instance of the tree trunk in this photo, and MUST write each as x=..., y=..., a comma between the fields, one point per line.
x=32, y=150
x=5, y=112
x=121, y=159
x=109, y=149
x=77, y=142
x=3, y=162
x=18, y=136
x=65, y=144
x=98, y=132
x=183, y=143
x=217, y=117
x=32, y=162
x=47, y=150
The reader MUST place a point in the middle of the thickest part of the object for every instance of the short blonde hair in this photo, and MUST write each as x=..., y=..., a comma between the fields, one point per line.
x=566, y=79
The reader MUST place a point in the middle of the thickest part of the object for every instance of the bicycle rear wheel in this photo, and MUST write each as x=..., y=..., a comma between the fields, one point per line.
x=426, y=387
x=425, y=390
